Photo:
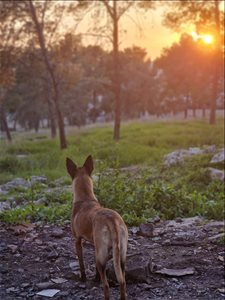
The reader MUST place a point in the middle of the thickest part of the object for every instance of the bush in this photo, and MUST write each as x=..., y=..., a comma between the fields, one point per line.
x=9, y=164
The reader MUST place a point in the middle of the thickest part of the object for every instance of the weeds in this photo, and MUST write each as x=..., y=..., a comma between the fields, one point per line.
x=150, y=190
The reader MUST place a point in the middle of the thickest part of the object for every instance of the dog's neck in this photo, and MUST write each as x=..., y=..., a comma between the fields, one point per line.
x=83, y=189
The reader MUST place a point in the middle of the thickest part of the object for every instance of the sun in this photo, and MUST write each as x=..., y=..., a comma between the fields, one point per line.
x=207, y=39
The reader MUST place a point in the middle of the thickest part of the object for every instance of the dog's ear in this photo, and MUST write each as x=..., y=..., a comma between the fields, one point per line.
x=89, y=166
x=71, y=167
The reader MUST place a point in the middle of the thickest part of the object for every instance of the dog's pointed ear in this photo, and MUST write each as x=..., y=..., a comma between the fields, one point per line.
x=89, y=166
x=71, y=167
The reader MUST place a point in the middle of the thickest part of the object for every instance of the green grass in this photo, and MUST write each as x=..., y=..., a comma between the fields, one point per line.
x=154, y=189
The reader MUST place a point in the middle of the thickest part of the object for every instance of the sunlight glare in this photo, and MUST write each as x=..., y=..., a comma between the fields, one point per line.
x=207, y=39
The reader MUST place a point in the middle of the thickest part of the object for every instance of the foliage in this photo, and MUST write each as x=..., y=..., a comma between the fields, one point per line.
x=134, y=182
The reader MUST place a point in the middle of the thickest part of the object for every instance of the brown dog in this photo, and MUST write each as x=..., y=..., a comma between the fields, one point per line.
x=103, y=227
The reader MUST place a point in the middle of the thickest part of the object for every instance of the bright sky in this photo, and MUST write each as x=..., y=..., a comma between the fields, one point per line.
x=153, y=36
x=144, y=30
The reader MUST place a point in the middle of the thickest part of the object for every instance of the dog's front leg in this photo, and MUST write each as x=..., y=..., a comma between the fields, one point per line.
x=79, y=250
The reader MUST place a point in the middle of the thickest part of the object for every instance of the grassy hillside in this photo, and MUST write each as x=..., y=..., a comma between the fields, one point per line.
x=136, y=192
x=141, y=143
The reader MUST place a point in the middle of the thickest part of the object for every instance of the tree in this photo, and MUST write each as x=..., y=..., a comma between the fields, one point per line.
x=10, y=33
x=136, y=82
x=115, y=11
x=50, y=70
x=204, y=15
x=187, y=71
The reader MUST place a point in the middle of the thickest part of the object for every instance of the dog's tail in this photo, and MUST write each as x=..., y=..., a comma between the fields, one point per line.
x=119, y=249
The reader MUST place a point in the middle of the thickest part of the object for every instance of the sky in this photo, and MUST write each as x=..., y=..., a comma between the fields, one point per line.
x=153, y=37
x=143, y=29
x=140, y=29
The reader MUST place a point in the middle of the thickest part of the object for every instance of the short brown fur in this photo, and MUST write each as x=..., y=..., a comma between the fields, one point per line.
x=101, y=226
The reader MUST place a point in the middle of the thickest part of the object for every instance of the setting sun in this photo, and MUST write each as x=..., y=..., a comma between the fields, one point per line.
x=207, y=39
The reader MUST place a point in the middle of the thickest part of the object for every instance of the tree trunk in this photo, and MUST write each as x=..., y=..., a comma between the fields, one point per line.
x=212, y=119
x=203, y=112
x=186, y=102
x=194, y=111
x=116, y=79
x=49, y=68
x=51, y=112
x=5, y=123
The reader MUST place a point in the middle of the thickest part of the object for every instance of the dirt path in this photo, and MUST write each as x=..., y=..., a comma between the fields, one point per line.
x=35, y=258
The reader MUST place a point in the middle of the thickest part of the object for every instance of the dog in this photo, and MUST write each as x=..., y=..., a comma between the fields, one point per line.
x=101, y=226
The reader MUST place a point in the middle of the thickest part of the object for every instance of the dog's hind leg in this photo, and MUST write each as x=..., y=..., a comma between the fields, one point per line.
x=123, y=295
x=102, y=272
x=79, y=250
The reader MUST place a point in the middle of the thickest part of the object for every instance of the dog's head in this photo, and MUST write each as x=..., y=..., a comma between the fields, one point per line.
x=75, y=171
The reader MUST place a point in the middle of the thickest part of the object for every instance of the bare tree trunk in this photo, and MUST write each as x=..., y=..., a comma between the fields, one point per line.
x=212, y=119
x=49, y=68
x=203, y=111
x=5, y=123
x=51, y=112
x=116, y=79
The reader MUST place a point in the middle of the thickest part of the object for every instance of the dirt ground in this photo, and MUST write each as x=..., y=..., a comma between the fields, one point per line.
x=180, y=259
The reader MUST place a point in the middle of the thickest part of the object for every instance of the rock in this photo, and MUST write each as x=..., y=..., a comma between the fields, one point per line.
x=138, y=269
x=41, y=201
x=25, y=284
x=74, y=266
x=179, y=220
x=210, y=149
x=4, y=206
x=48, y=293
x=59, y=280
x=44, y=285
x=17, y=182
x=178, y=156
x=216, y=237
x=214, y=225
x=53, y=255
x=12, y=290
x=2, y=192
x=57, y=232
x=38, y=241
x=218, y=157
x=146, y=229
x=23, y=228
x=155, y=219
x=222, y=290
x=216, y=174
x=186, y=222
x=134, y=230
x=176, y=272
x=38, y=179
x=13, y=248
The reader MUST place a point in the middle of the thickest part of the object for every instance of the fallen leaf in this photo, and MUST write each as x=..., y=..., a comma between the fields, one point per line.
x=59, y=280
x=176, y=272
x=48, y=293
